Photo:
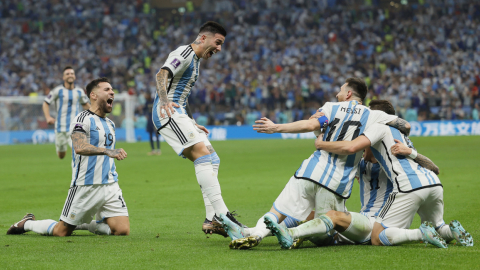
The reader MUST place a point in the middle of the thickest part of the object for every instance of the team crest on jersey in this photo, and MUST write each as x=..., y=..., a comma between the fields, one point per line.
x=72, y=215
x=175, y=63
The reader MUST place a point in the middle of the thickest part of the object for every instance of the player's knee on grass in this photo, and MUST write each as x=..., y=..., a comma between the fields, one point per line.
x=63, y=229
x=120, y=230
x=119, y=225
x=375, y=238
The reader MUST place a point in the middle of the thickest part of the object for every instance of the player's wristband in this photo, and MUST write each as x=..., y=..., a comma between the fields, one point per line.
x=323, y=121
x=413, y=155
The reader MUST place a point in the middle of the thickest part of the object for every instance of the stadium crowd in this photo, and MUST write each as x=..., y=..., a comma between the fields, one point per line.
x=281, y=59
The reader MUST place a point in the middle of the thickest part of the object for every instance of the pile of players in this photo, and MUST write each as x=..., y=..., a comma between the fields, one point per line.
x=353, y=141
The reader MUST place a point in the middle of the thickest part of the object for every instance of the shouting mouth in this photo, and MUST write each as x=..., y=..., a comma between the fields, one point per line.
x=110, y=102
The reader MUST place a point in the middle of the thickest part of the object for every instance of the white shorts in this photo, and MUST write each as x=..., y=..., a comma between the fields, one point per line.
x=300, y=197
x=62, y=139
x=83, y=202
x=400, y=208
x=180, y=132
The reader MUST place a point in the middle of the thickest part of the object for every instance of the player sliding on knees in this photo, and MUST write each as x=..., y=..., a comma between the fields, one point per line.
x=94, y=188
x=172, y=118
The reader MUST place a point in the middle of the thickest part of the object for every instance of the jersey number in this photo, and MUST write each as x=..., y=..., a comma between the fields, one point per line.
x=333, y=126
x=376, y=184
x=108, y=140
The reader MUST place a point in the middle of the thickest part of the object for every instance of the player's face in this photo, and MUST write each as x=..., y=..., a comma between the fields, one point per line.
x=69, y=76
x=104, y=97
x=343, y=94
x=212, y=44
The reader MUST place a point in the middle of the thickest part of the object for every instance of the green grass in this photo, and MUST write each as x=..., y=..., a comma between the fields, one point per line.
x=166, y=210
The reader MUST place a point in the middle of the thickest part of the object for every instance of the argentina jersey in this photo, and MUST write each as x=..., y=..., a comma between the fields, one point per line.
x=347, y=120
x=374, y=188
x=404, y=172
x=67, y=104
x=98, y=169
x=182, y=65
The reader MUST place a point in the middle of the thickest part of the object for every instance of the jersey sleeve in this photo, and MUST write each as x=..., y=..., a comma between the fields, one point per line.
x=375, y=133
x=327, y=110
x=175, y=63
x=52, y=96
x=80, y=124
x=382, y=117
x=83, y=97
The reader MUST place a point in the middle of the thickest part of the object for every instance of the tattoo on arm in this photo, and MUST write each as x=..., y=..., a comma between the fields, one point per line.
x=82, y=147
x=162, y=78
x=401, y=125
x=427, y=163
x=210, y=148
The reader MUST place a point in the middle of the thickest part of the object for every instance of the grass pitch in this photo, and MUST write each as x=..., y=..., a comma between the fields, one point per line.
x=166, y=210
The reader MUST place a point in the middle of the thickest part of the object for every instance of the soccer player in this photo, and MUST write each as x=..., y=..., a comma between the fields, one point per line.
x=415, y=189
x=67, y=98
x=375, y=189
x=173, y=121
x=94, y=187
x=323, y=182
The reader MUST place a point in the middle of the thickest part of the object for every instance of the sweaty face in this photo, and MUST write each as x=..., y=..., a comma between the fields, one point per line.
x=342, y=95
x=69, y=76
x=212, y=44
x=104, y=97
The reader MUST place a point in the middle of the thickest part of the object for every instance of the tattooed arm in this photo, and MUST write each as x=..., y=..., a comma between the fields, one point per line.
x=83, y=148
x=401, y=125
x=165, y=104
x=401, y=149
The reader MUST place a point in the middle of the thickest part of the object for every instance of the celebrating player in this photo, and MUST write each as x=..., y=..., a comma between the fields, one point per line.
x=94, y=188
x=173, y=120
x=67, y=98
x=415, y=189
x=324, y=181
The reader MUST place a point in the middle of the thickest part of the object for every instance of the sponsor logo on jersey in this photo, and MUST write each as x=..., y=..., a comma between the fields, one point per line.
x=175, y=63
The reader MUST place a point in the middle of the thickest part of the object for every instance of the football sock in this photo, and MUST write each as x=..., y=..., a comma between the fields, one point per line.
x=215, y=162
x=40, y=226
x=100, y=228
x=210, y=212
x=290, y=222
x=83, y=226
x=446, y=233
x=317, y=226
x=208, y=181
x=396, y=236
x=359, y=230
x=261, y=229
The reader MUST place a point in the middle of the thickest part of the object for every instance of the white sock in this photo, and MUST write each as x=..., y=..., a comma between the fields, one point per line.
x=207, y=179
x=100, y=228
x=261, y=229
x=396, y=236
x=446, y=233
x=83, y=226
x=315, y=227
x=40, y=226
x=215, y=162
x=209, y=211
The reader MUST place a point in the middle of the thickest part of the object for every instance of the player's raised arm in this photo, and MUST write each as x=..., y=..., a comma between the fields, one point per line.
x=82, y=147
x=401, y=149
x=265, y=125
x=401, y=125
x=162, y=79
x=343, y=147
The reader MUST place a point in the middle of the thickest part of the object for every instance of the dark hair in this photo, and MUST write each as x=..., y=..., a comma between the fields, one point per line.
x=382, y=105
x=213, y=27
x=94, y=84
x=359, y=87
x=67, y=67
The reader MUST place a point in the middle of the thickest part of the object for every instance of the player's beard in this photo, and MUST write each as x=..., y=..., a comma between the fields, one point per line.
x=105, y=108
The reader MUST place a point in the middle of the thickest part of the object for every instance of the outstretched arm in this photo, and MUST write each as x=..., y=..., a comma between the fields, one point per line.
x=401, y=125
x=265, y=125
x=401, y=149
x=344, y=147
x=82, y=147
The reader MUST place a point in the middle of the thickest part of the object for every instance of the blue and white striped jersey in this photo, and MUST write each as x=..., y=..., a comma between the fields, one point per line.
x=94, y=170
x=404, y=172
x=374, y=188
x=183, y=65
x=347, y=120
x=68, y=104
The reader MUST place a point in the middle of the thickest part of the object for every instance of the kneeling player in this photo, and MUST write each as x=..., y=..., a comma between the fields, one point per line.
x=94, y=188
